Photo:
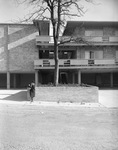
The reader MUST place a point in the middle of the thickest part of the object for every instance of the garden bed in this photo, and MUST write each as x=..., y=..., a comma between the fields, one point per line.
x=67, y=93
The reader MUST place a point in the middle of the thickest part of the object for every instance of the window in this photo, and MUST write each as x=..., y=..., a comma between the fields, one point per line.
x=51, y=54
x=89, y=54
x=43, y=54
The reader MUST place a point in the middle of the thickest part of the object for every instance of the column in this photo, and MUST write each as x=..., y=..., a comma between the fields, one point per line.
x=79, y=76
x=8, y=80
x=36, y=77
x=14, y=80
x=111, y=79
x=73, y=78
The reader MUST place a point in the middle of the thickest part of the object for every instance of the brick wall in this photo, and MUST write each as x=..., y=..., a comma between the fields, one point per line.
x=109, y=52
x=79, y=31
x=22, y=57
x=18, y=48
x=22, y=47
x=109, y=31
x=67, y=94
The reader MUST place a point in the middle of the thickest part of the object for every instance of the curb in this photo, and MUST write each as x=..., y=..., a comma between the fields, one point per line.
x=42, y=103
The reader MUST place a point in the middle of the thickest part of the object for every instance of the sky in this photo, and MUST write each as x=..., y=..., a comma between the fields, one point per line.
x=102, y=10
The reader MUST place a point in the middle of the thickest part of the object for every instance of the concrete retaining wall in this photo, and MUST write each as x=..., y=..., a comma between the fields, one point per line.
x=67, y=94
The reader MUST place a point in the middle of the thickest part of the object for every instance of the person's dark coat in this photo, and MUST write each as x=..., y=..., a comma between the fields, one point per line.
x=28, y=92
x=32, y=91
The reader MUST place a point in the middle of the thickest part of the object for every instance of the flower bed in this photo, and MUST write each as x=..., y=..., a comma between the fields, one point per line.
x=67, y=93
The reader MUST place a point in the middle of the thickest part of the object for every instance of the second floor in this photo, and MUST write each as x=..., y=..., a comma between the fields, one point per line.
x=80, y=52
x=97, y=33
x=102, y=56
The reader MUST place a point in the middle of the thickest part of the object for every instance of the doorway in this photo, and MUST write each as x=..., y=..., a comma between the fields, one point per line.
x=63, y=78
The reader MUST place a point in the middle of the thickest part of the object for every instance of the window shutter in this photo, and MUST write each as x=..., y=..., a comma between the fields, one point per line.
x=99, y=55
x=87, y=55
x=117, y=54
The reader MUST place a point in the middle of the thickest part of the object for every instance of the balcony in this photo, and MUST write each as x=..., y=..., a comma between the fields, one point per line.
x=48, y=40
x=74, y=63
x=40, y=40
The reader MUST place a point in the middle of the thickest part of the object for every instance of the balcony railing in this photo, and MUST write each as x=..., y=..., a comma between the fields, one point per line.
x=49, y=39
x=99, y=39
x=44, y=63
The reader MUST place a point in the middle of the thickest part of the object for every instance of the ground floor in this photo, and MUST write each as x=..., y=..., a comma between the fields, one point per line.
x=16, y=80
x=97, y=78
x=21, y=80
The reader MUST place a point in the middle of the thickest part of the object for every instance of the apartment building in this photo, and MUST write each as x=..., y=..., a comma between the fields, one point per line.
x=27, y=53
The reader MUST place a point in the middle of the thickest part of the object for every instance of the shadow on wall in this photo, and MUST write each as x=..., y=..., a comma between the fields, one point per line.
x=20, y=96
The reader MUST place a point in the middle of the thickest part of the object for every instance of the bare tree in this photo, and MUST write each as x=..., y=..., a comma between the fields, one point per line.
x=57, y=11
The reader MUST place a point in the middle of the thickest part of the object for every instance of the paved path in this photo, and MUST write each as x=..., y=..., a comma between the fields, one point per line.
x=13, y=95
x=108, y=97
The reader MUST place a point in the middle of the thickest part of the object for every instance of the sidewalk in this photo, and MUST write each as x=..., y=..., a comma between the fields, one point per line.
x=109, y=97
x=54, y=104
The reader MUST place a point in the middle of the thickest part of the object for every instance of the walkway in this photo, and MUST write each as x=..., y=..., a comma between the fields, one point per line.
x=108, y=97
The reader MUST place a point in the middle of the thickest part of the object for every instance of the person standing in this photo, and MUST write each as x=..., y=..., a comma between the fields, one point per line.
x=28, y=92
x=32, y=91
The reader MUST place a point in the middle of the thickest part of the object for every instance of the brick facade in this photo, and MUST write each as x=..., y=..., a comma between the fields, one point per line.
x=22, y=57
x=67, y=94
x=18, y=51
x=22, y=48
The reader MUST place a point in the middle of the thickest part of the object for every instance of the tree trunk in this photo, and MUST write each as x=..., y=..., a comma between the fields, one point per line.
x=56, y=71
x=56, y=29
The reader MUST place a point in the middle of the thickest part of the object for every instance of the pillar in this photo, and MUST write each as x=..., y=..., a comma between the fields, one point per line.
x=8, y=80
x=111, y=79
x=73, y=78
x=14, y=80
x=79, y=77
x=36, y=77
x=40, y=77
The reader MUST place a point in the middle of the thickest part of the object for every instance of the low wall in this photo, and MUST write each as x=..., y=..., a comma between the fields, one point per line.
x=67, y=94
